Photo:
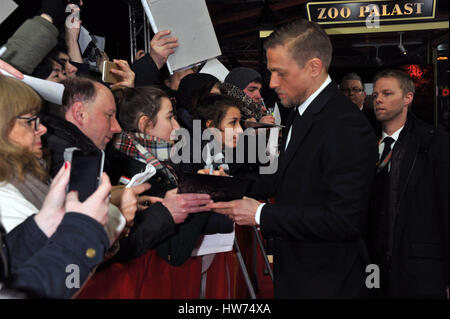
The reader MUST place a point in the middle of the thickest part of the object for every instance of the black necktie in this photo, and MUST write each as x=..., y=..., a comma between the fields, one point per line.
x=294, y=117
x=290, y=120
x=387, y=148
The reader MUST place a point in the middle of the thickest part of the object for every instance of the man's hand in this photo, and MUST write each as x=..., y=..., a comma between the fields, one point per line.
x=125, y=73
x=11, y=70
x=181, y=205
x=241, y=211
x=161, y=47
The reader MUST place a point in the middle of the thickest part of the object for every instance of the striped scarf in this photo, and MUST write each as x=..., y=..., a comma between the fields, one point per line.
x=147, y=149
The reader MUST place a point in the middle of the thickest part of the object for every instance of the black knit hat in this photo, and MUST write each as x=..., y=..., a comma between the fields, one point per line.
x=192, y=87
x=242, y=76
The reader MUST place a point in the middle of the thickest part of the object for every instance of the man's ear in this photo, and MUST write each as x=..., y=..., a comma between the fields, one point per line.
x=315, y=65
x=78, y=113
x=143, y=123
x=408, y=98
x=208, y=123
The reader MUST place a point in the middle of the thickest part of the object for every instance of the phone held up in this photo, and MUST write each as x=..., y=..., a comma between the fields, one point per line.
x=107, y=76
x=86, y=171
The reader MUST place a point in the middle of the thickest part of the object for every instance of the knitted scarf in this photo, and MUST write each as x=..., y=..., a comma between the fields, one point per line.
x=33, y=189
x=147, y=149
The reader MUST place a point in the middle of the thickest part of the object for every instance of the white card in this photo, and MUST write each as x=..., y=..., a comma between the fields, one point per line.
x=6, y=8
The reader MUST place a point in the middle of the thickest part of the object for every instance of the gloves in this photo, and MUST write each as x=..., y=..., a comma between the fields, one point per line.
x=55, y=9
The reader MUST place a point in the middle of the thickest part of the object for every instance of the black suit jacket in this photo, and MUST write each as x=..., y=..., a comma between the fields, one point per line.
x=418, y=240
x=321, y=190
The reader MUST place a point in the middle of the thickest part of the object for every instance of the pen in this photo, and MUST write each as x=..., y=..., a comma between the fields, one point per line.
x=268, y=111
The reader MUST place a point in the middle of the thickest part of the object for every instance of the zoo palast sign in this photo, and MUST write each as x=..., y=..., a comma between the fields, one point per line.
x=359, y=12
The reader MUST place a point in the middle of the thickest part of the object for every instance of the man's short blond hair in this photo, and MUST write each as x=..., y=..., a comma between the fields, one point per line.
x=305, y=40
x=406, y=83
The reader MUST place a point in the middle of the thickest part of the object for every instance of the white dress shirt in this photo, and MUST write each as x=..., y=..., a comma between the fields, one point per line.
x=301, y=109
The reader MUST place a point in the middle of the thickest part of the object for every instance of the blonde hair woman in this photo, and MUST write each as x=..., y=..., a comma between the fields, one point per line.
x=23, y=178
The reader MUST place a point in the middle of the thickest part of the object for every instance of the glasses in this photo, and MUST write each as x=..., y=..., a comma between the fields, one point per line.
x=352, y=90
x=30, y=120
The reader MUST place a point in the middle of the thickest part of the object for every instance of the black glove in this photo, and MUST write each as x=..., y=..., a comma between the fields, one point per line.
x=55, y=9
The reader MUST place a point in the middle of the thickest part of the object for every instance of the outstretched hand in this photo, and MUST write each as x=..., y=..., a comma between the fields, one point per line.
x=241, y=211
x=181, y=205
x=125, y=74
x=161, y=46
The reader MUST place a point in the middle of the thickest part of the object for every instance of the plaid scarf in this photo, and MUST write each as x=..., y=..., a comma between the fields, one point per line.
x=147, y=149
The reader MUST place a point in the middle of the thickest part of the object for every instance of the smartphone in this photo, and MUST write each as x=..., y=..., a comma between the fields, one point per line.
x=86, y=172
x=107, y=76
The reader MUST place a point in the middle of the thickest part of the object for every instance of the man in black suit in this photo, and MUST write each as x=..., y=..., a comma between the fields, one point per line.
x=409, y=236
x=352, y=86
x=322, y=184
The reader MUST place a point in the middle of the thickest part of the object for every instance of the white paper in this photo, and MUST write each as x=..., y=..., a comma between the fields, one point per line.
x=215, y=68
x=216, y=243
x=141, y=178
x=6, y=8
x=85, y=39
x=189, y=21
x=49, y=91
x=272, y=145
